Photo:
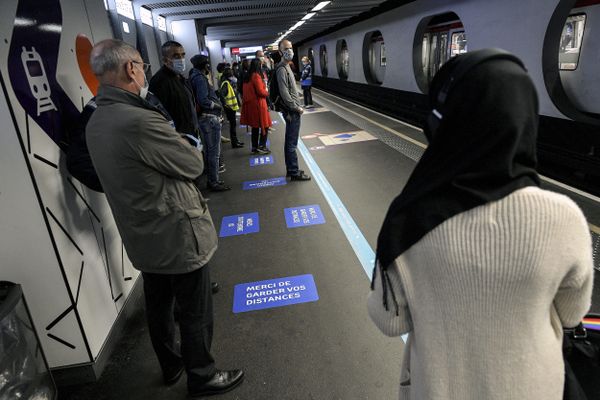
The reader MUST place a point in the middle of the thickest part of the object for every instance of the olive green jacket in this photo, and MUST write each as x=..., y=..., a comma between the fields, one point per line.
x=146, y=169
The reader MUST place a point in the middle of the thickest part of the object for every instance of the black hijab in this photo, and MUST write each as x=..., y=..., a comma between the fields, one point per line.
x=482, y=149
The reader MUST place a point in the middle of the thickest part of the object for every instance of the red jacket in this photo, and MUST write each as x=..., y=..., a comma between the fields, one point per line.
x=255, y=112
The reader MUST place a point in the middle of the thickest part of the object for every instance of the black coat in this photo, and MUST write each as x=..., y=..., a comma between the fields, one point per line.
x=177, y=97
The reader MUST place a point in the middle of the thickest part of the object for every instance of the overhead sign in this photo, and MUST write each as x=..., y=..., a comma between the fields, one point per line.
x=262, y=160
x=125, y=8
x=235, y=50
x=303, y=216
x=252, y=49
x=162, y=23
x=274, y=293
x=263, y=183
x=346, y=137
x=241, y=224
x=146, y=16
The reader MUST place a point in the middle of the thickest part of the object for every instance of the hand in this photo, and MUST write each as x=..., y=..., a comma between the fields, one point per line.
x=300, y=110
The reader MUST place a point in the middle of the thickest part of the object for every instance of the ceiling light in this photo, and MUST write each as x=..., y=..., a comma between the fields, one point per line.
x=309, y=16
x=320, y=6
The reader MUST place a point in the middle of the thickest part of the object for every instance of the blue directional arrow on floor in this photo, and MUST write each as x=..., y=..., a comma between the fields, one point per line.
x=262, y=160
x=263, y=183
x=274, y=293
x=303, y=216
x=241, y=224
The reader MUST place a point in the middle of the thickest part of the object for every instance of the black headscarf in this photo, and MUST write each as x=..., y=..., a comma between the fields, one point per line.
x=483, y=149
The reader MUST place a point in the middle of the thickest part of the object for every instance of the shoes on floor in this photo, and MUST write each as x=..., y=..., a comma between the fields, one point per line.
x=254, y=151
x=214, y=287
x=225, y=140
x=300, y=171
x=219, y=187
x=300, y=177
x=263, y=150
x=171, y=377
x=237, y=145
x=221, y=382
x=222, y=168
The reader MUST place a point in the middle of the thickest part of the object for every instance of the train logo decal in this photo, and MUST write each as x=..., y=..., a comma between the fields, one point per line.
x=38, y=82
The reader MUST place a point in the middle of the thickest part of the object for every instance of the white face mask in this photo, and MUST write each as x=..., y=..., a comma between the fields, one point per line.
x=178, y=65
x=143, y=89
x=288, y=54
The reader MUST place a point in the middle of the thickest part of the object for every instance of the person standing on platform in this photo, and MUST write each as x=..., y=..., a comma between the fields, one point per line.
x=209, y=119
x=306, y=82
x=255, y=112
x=291, y=109
x=479, y=265
x=230, y=102
x=146, y=170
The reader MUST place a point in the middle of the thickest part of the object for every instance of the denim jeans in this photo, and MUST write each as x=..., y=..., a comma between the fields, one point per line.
x=292, y=130
x=192, y=292
x=211, y=129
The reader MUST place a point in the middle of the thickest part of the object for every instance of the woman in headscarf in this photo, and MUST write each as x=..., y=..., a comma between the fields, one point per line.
x=255, y=112
x=480, y=266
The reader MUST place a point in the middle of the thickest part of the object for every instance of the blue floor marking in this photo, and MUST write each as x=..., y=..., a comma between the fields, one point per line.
x=361, y=247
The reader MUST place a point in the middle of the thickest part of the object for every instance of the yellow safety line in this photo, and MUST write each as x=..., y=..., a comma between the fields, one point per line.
x=403, y=136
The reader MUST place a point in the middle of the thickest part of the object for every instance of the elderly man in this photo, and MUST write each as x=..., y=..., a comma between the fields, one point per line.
x=291, y=109
x=146, y=169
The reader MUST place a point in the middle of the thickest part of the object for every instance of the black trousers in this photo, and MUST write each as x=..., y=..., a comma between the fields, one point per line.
x=259, y=140
x=232, y=122
x=192, y=291
x=307, y=95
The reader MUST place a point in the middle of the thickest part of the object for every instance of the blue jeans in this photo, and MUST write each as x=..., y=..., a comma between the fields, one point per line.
x=211, y=129
x=292, y=130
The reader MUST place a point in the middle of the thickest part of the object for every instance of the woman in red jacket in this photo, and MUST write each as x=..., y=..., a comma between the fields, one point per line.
x=255, y=112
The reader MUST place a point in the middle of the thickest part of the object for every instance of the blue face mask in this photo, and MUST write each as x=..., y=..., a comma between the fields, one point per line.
x=288, y=54
x=179, y=66
x=233, y=79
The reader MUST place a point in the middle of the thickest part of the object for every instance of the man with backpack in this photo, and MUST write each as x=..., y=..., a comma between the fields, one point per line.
x=286, y=99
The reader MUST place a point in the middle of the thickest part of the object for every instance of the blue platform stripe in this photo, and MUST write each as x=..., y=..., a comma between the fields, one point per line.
x=361, y=247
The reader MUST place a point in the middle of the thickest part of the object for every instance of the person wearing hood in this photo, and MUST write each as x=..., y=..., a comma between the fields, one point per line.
x=174, y=91
x=147, y=170
x=479, y=265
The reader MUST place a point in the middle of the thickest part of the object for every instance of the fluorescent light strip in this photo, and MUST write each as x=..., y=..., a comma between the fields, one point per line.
x=320, y=6
x=309, y=16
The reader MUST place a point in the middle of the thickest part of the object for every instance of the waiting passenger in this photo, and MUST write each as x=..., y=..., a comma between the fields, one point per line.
x=209, y=119
x=230, y=102
x=255, y=112
x=306, y=82
x=146, y=170
x=480, y=266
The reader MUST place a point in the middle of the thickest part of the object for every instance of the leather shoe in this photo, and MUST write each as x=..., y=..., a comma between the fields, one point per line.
x=214, y=287
x=300, y=177
x=172, y=377
x=237, y=145
x=219, y=187
x=221, y=382
x=300, y=171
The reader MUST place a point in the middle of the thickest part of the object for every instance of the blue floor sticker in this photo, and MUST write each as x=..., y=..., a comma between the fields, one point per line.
x=262, y=160
x=241, y=224
x=263, y=183
x=303, y=216
x=274, y=293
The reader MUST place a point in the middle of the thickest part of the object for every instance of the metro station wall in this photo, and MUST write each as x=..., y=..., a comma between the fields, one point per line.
x=58, y=239
x=492, y=23
x=184, y=32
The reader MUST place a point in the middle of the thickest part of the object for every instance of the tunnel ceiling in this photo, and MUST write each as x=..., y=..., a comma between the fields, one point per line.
x=240, y=23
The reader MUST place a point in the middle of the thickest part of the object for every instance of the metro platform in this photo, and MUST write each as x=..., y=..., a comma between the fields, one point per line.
x=326, y=348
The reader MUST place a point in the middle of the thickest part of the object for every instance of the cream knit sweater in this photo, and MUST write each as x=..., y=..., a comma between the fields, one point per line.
x=485, y=295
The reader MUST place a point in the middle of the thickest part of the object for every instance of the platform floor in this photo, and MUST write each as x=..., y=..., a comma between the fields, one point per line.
x=325, y=349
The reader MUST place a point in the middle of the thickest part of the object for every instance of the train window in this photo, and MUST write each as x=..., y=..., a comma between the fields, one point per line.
x=373, y=56
x=438, y=38
x=570, y=42
x=323, y=60
x=343, y=59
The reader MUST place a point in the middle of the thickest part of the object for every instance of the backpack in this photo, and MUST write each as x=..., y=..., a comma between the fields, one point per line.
x=274, y=95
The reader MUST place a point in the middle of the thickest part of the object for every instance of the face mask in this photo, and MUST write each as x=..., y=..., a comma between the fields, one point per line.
x=143, y=89
x=178, y=66
x=233, y=79
x=288, y=54
x=262, y=59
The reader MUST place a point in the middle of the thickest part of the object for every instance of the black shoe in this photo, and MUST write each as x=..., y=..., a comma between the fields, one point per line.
x=263, y=150
x=300, y=177
x=214, y=287
x=171, y=377
x=221, y=382
x=237, y=145
x=219, y=187
x=300, y=171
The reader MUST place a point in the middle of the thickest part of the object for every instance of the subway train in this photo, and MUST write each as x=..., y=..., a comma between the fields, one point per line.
x=386, y=61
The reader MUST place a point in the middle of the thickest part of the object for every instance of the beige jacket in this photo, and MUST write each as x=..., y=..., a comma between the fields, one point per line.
x=146, y=170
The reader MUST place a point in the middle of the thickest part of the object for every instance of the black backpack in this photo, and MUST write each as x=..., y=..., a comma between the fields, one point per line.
x=274, y=95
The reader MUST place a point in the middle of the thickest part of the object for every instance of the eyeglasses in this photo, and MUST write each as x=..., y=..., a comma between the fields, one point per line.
x=146, y=66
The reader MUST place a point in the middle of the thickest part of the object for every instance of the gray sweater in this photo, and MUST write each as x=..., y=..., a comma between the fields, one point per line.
x=484, y=297
x=287, y=86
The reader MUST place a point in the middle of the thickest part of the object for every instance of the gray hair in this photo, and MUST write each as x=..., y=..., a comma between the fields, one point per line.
x=110, y=55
